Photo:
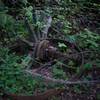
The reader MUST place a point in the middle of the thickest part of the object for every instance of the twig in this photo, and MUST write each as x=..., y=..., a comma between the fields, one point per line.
x=27, y=42
x=30, y=29
x=1, y=59
x=54, y=29
x=46, y=65
x=61, y=63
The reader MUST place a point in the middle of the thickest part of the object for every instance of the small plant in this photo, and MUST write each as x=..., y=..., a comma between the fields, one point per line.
x=6, y=21
x=12, y=77
x=88, y=66
x=62, y=24
x=62, y=47
x=58, y=71
x=88, y=39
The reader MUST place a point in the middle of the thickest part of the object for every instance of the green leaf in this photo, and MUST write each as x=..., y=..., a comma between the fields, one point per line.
x=88, y=66
x=62, y=45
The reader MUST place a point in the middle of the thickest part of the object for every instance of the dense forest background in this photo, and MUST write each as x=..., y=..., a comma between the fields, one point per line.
x=49, y=49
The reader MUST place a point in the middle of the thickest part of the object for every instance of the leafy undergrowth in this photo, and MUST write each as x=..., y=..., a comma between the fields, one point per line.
x=73, y=22
x=13, y=78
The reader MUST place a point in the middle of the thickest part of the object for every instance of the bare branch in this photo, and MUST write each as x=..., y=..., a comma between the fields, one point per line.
x=30, y=29
x=27, y=42
x=60, y=81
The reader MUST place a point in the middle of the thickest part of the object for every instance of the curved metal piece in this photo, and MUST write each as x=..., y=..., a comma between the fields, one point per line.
x=42, y=46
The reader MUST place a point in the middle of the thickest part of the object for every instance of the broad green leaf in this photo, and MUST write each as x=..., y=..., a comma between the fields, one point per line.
x=88, y=66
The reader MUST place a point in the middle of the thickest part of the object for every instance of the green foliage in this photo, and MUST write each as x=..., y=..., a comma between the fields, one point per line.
x=28, y=12
x=24, y=2
x=98, y=96
x=62, y=47
x=77, y=88
x=6, y=22
x=66, y=25
x=12, y=78
x=71, y=38
x=88, y=66
x=58, y=72
x=88, y=39
x=20, y=29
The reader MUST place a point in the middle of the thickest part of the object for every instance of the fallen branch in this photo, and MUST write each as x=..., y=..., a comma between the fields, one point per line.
x=60, y=81
x=27, y=42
